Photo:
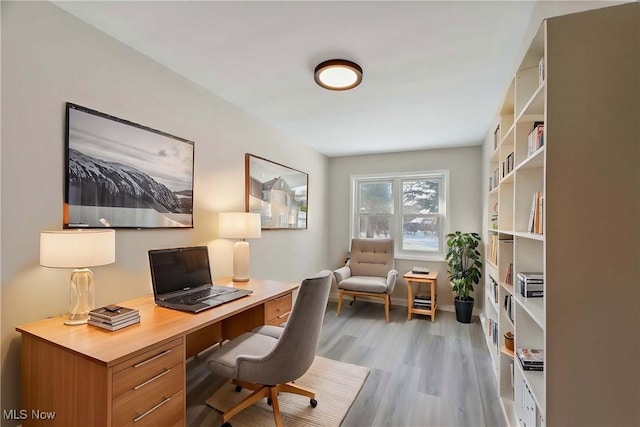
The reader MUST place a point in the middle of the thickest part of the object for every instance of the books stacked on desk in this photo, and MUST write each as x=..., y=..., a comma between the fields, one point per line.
x=531, y=359
x=531, y=284
x=422, y=301
x=113, y=317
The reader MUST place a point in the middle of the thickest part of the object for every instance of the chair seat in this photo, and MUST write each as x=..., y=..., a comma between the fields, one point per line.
x=224, y=362
x=373, y=284
x=270, y=331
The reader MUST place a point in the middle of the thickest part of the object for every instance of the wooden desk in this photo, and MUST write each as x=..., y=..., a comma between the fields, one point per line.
x=431, y=279
x=136, y=376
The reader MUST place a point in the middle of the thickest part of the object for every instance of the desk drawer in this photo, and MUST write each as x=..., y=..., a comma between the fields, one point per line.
x=147, y=366
x=275, y=308
x=163, y=411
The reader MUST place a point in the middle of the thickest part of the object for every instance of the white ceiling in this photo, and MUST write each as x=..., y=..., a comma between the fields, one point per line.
x=434, y=71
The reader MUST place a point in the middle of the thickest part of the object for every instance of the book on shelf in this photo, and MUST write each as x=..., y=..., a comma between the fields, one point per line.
x=536, y=213
x=508, y=306
x=531, y=356
x=508, y=164
x=530, y=284
x=531, y=367
x=423, y=301
x=509, y=275
x=113, y=326
x=493, y=250
x=535, y=140
x=541, y=71
x=496, y=138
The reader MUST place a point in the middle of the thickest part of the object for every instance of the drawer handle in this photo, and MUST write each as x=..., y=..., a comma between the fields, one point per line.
x=139, y=417
x=150, y=380
x=283, y=315
x=164, y=353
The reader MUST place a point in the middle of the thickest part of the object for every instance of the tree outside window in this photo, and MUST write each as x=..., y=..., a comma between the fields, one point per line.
x=409, y=209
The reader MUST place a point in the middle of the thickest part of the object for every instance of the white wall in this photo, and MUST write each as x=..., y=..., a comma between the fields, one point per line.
x=50, y=57
x=464, y=165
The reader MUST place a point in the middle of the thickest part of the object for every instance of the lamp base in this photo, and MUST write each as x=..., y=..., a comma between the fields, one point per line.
x=241, y=261
x=81, y=297
x=70, y=322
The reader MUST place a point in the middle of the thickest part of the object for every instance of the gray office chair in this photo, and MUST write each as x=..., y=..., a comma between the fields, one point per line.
x=268, y=364
x=369, y=272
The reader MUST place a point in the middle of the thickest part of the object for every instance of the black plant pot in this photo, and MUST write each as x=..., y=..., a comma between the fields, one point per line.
x=464, y=309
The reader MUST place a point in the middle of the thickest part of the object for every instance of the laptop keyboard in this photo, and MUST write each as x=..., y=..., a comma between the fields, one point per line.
x=196, y=297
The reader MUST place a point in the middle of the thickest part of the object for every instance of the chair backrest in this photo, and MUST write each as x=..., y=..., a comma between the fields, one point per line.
x=297, y=346
x=371, y=257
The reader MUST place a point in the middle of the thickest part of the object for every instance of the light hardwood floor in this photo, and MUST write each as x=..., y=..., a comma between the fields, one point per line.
x=422, y=373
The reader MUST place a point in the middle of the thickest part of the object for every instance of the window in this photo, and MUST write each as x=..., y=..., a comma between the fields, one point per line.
x=411, y=209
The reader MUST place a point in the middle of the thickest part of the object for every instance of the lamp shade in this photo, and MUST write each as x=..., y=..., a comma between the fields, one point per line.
x=239, y=225
x=77, y=248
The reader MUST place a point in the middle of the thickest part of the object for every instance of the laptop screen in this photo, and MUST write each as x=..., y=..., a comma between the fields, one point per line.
x=178, y=269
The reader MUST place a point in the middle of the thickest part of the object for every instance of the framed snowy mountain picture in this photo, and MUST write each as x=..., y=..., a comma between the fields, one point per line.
x=121, y=174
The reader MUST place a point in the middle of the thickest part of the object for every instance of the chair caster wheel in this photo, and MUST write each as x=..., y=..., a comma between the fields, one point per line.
x=238, y=390
x=226, y=425
x=269, y=401
x=313, y=403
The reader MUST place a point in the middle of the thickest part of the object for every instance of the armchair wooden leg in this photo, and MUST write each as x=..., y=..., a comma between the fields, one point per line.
x=340, y=302
x=387, y=303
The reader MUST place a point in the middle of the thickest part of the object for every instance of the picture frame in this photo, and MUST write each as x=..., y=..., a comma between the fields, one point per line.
x=278, y=192
x=120, y=174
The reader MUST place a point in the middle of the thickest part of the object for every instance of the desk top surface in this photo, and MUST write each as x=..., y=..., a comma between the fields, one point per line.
x=157, y=324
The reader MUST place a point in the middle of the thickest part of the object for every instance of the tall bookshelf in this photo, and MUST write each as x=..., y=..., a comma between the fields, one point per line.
x=584, y=185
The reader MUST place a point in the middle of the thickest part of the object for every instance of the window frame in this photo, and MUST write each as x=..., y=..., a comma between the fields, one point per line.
x=397, y=215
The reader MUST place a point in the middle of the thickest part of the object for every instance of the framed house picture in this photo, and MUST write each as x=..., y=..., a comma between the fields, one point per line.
x=121, y=174
x=277, y=192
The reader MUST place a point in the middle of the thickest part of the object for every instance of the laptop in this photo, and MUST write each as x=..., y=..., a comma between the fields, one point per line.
x=181, y=279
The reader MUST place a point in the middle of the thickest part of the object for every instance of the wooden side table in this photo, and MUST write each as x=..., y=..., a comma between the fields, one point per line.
x=412, y=279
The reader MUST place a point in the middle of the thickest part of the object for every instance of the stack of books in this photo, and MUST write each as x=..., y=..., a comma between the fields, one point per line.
x=422, y=301
x=113, y=317
x=531, y=285
x=531, y=359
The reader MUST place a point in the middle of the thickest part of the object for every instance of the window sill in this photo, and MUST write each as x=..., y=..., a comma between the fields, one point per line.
x=430, y=258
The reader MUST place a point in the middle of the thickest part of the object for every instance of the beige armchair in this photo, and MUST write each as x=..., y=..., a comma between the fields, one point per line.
x=369, y=272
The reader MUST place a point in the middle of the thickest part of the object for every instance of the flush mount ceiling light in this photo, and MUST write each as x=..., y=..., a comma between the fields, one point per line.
x=338, y=74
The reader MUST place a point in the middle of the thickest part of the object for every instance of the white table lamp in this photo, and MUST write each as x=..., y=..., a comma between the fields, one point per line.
x=78, y=249
x=240, y=225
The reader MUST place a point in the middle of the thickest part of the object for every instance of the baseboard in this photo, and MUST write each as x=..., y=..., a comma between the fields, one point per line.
x=403, y=303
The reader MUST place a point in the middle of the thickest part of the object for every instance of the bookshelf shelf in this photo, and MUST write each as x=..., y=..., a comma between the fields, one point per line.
x=505, y=350
x=572, y=147
x=534, y=307
x=526, y=235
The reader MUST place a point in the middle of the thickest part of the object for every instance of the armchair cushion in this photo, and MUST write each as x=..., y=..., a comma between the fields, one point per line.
x=373, y=284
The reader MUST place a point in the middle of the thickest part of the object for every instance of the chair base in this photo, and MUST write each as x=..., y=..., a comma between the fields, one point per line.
x=354, y=294
x=270, y=392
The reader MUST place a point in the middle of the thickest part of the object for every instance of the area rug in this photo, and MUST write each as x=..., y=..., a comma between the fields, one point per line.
x=336, y=385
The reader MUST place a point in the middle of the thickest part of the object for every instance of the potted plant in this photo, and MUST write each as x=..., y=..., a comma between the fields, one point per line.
x=464, y=268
